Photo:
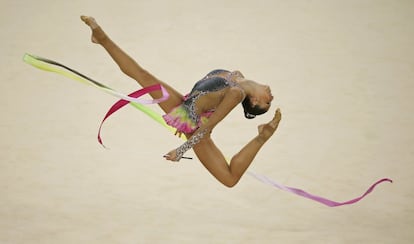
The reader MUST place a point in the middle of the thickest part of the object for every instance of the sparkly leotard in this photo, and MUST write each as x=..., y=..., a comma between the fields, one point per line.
x=185, y=117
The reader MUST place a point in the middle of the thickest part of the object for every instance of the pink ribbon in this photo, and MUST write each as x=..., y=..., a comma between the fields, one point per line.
x=319, y=199
x=121, y=103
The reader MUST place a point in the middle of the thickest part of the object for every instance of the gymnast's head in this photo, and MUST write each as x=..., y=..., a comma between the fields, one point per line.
x=257, y=101
x=258, y=97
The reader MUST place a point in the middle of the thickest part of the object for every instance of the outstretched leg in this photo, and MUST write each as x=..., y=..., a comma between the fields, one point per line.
x=230, y=174
x=130, y=67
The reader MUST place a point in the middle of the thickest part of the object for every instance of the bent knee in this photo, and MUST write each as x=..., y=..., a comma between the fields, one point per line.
x=231, y=182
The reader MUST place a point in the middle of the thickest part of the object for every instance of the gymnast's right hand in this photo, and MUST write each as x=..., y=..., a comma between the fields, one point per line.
x=267, y=130
x=172, y=156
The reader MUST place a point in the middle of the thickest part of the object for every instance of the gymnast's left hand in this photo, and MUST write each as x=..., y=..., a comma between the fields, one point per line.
x=172, y=156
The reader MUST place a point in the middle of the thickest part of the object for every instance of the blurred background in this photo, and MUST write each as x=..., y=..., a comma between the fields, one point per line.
x=341, y=72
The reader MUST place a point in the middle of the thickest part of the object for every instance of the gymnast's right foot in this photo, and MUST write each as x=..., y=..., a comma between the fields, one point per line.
x=97, y=36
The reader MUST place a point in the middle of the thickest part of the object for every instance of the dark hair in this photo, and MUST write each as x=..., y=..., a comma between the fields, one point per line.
x=251, y=111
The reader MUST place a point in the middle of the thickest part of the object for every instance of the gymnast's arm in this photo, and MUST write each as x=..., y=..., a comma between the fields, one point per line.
x=232, y=97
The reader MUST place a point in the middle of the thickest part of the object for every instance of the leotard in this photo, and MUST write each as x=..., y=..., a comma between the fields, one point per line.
x=185, y=117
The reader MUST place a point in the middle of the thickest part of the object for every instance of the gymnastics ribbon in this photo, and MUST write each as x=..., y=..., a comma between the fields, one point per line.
x=121, y=103
x=52, y=66
x=132, y=99
x=319, y=199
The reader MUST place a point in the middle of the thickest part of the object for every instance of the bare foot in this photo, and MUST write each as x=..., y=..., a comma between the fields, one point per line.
x=91, y=22
x=267, y=130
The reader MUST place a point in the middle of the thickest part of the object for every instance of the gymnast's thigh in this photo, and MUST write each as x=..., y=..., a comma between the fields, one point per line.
x=212, y=158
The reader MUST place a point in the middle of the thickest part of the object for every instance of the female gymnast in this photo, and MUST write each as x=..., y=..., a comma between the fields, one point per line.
x=196, y=114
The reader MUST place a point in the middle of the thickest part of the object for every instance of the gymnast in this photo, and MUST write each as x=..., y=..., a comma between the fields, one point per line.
x=196, y=114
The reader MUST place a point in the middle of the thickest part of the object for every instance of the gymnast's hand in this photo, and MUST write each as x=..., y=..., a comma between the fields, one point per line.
x=267, y=130
x=172, y=156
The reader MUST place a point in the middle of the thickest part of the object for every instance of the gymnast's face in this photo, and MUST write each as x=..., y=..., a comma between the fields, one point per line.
x=263, y=97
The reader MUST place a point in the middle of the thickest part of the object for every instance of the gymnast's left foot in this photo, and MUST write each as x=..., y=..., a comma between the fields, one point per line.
x=97, y=34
